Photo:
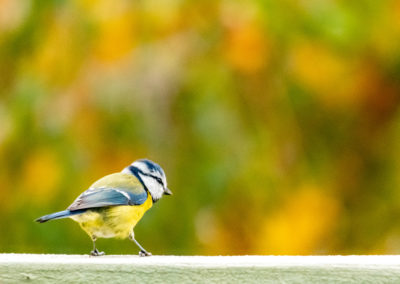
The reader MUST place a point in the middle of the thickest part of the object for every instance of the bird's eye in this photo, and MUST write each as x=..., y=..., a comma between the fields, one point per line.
x=159, y=180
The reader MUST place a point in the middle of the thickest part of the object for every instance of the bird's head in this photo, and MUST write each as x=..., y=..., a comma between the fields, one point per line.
x=151, y=175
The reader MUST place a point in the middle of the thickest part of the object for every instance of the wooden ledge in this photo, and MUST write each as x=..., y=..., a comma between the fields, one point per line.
x=47, y=268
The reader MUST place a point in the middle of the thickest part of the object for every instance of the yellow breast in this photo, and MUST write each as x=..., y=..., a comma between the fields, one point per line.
x=113, y=221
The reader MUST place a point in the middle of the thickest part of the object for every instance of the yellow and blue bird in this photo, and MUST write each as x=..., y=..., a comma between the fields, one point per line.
x=112, y=206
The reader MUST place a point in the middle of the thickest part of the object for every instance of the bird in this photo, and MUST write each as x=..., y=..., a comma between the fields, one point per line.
x=113, y=205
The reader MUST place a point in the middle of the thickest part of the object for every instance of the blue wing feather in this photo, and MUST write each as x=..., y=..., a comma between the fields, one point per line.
x=59, y=215
x=111, y=190
x=107, y=197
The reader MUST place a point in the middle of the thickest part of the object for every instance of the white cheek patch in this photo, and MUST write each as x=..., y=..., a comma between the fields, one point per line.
x=155, y=189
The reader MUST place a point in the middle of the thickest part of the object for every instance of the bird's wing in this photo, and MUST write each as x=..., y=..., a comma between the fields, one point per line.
x=111, y=190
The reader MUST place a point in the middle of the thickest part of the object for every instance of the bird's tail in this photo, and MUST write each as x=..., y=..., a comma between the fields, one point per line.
x=58, y=215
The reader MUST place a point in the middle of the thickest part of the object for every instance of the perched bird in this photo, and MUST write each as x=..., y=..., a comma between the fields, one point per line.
x=113, y=205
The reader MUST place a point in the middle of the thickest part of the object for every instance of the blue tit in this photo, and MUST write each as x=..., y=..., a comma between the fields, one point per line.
x=113, y=205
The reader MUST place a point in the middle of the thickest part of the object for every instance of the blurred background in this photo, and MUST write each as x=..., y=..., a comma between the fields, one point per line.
x=276, y=122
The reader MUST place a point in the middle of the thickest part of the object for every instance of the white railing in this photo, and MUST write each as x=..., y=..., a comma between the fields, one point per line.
x=34, y=268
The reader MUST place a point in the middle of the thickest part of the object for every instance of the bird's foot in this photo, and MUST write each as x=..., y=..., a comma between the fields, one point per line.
x=97, y=253
x=144, y=253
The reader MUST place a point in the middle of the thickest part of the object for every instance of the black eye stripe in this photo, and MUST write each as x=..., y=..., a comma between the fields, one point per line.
x=159, y=180
x=135, y=169
x=156, y=178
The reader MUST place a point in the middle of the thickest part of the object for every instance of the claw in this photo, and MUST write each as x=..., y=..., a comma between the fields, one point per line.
x=97, y=253
x=144, y=253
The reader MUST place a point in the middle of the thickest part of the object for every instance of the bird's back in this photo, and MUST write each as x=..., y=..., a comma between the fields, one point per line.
x=113, y=220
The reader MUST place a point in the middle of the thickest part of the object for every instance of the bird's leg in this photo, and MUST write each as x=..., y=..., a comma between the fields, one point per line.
x=142, y=251
x=95, y=252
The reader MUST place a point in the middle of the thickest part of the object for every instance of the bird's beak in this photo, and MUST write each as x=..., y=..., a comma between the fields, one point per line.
x=167, y=191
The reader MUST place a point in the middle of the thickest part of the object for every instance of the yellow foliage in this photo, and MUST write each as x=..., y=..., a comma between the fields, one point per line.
x=301, y=224
x=247, y=48
x=52, y=61
x=47, y=56
x=323, y=72
x=116, y=37
x=396, y=14
x=41, y=175
x=386, y=29
x=164, y=15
